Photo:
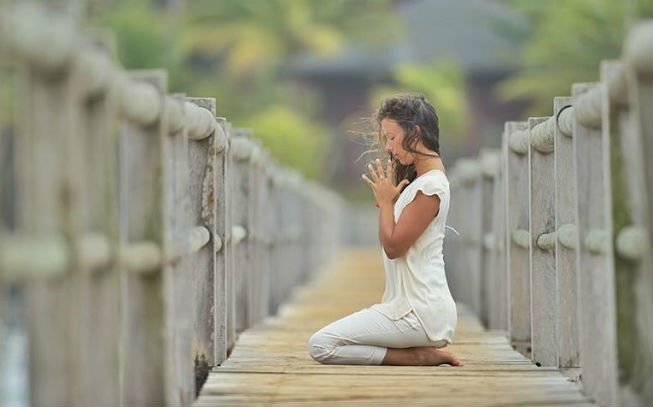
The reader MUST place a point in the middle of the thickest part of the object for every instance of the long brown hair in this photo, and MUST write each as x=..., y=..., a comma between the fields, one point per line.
x=419, y=120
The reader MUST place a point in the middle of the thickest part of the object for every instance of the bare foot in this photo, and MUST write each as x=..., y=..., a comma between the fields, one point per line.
x=432, y=356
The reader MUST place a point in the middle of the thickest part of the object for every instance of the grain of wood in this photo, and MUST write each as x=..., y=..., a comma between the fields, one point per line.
x=270, y=364
x=143, y=341
x=635, y=136
x=49, y=194
x=596, y=270
x=544, y=307
x=202, y=169
x=566, y=258
x=517, y=187
x=101, y=313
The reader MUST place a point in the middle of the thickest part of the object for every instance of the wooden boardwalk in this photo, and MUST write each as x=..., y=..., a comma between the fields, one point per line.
x=270, y=364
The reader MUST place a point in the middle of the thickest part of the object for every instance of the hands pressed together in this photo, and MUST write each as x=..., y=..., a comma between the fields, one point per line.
x=382, y=183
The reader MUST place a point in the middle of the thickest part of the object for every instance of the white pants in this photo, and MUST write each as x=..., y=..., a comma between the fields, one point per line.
x=363, y=337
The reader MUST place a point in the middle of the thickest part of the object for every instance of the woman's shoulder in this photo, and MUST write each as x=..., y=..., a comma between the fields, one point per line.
x=430, y=183
x=436, y=176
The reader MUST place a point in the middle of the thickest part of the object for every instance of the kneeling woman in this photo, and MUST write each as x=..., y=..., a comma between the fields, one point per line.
x=417, y=315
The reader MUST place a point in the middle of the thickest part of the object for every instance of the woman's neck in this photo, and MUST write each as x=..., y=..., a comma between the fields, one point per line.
x=425, y=164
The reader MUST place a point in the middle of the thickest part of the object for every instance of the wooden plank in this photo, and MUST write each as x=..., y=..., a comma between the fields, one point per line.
x=262, y=205
x=99, y=305
x=221, y=336
x=142, y=217
x=632, y=200
x=278, y=241
x=517, y=187
x=472, y=234
x=499, y=227
x=202, y=175
x=270, y=364
x=544, y=307
x=596, y=270
x=178, y=275
x=565, y=257
x=452, y=242
x=49, y=194
x=242, y=199
x=487, y=273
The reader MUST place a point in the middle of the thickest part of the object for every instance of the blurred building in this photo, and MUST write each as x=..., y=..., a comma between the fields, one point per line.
x=462, y=30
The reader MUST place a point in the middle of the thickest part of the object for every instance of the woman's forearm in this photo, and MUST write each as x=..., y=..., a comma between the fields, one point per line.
x=386, y=229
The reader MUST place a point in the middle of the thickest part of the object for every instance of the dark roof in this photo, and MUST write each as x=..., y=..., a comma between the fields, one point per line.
x=462, y=30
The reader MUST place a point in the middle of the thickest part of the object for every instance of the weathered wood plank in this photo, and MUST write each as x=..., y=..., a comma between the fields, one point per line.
x=596, y=272
x=634, y=148
x=202, y=167
x=487, y=272
x=270, y=365
x=48, y=197
x=242, y=198
x=100, y=316
x=218, y=197
x=566, y=257
x=544, y=307
x=499, y=293
x=142, y=216
x=178, y=279
x=517, y=187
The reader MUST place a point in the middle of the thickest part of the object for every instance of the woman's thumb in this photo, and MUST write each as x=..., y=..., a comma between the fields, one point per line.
x=403, y=183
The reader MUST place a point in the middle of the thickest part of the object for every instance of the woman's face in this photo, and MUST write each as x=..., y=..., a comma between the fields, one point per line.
x=394, y=135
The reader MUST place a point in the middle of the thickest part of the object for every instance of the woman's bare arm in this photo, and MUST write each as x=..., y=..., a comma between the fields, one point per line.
x=414, y=219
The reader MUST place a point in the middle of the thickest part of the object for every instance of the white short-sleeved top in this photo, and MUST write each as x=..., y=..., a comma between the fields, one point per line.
x=417, y=282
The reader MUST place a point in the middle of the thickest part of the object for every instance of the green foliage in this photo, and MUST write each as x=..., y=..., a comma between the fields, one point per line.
x=443, y=83
x=255, y=35
x=237, y=52
x=564, y=42
x=146, y=38
x=292, y=139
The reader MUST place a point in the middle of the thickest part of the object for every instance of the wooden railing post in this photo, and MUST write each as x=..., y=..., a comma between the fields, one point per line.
x=566, y=249
x=203, y=158
x=178, y=281
x=143, y=220
x=50, y=192
x=516, y=142
x=217, y=202
x=633, y=215
x=261, y=253
x=99, y=312
x=487, y=277
x=453, y=244
x=596, y=271
x=243, y=197
x=544, y=307
x=495, y=279
x=471, y=231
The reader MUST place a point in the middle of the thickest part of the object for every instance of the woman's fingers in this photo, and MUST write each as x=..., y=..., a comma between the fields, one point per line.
x=379, y=167
x=375, y=177
x=369, y=181
x=390, y=169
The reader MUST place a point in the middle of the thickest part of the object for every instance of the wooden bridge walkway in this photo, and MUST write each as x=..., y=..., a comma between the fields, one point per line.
x=270, y=364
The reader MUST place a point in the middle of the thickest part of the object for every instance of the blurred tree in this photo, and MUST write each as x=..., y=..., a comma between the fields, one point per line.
x=279, y=127
x=238, y=52
x=256, y=35
x=564, y=43
x=443, y=83
x=145, y=37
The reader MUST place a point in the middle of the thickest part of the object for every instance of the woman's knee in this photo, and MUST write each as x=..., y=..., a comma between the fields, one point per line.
x=321, y=346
